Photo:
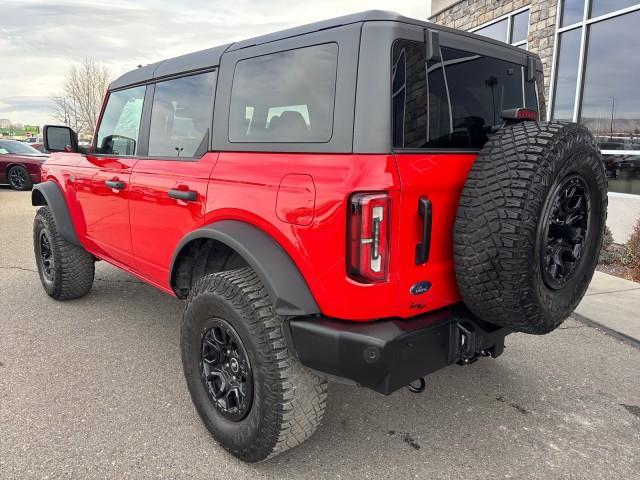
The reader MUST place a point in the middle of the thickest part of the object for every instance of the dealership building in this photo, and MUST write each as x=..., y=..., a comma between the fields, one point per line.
x=590, y=50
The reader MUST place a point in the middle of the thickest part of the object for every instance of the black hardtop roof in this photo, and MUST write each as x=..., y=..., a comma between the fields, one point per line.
x=211, y=57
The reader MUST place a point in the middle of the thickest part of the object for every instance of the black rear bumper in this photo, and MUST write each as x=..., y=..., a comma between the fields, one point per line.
x=388, y=354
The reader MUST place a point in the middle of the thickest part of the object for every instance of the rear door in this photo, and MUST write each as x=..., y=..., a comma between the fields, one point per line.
x=169, y=182
x=444, y=109
x=101, y=178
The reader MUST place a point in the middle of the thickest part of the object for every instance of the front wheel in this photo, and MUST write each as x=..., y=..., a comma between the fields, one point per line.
x=252, y=394
x=66, y=270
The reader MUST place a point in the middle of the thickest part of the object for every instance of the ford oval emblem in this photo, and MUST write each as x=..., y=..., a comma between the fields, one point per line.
x=420, y=288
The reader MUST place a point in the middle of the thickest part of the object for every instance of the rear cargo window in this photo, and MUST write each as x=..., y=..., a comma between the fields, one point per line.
x=285, y=97
x=453, y=103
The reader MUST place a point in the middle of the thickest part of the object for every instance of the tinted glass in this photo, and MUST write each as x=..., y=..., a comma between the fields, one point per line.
x=118, y=132
x=181, y=116
x=610, y=100
x=520, y=27
x=566, y=74
x=497, y=31
x=455, y=106
x=600, y=7
x=285, y=97
x=572, y=12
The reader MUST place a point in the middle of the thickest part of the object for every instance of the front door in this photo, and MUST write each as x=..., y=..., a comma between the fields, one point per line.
x=102, y=177
x=169, y=185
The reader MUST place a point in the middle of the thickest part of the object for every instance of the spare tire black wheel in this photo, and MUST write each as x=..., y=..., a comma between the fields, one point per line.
x=529, y=225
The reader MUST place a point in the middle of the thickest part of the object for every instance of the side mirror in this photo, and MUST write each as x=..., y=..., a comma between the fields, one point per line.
x=59, y=138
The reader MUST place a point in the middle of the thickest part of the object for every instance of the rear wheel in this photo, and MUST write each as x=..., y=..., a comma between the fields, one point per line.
x=19, y=178
x=252, y=394
x=66, y=270
x=529, y=225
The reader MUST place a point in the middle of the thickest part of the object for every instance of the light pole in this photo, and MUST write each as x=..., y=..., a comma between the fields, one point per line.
x=613, y=108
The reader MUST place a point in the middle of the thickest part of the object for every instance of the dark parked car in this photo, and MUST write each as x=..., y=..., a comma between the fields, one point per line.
x=20, y=164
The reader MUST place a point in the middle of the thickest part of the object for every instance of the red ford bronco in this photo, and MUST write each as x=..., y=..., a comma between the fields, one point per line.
x=365, y=199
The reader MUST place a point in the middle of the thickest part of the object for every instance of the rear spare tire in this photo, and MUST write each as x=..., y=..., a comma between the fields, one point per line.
x=529, y=225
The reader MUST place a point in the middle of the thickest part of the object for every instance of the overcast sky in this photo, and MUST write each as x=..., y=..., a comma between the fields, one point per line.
x=41, y=39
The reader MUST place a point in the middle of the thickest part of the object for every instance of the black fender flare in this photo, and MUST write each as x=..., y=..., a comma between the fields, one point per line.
x=281, y=277
x=49, y=193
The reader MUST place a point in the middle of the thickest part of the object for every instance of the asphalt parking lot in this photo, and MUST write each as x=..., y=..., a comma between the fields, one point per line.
x=93, y=388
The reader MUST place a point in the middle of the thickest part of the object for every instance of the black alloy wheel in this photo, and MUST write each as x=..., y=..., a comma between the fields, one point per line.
x=226, y=370
x=45, y=256
x=18, y=178
x=562, y=240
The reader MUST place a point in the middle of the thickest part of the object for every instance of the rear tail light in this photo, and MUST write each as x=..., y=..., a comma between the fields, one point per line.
x=368, y=249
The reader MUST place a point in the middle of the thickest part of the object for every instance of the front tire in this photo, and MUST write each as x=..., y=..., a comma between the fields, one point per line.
x=233, y=348
x=66, y=270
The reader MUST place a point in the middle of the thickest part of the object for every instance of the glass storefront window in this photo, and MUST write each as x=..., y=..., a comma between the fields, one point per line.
x=600, y=7
x=610, y=100
x=572, y=12
x=623, y=173
x=566, y=74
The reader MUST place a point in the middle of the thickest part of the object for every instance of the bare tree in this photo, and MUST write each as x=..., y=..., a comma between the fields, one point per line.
x=84, y=89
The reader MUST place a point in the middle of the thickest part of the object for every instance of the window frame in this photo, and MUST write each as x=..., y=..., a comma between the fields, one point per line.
x=585, y=23
x=145, y=121
x=509, y=17
x=347, y=38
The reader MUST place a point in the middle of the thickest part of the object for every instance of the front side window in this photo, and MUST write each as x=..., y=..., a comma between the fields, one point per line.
x=285, y=97
x=181, y=116
x=455, y=102
x=120, y=125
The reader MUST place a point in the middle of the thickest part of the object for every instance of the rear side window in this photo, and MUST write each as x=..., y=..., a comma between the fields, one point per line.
x=120, y=125
x=181, y=116
x=285, y=97
x=454, y=102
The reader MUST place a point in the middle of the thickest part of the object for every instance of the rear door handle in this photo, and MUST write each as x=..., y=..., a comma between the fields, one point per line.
x=186, y=195
x=423, y=248
x=115, y=184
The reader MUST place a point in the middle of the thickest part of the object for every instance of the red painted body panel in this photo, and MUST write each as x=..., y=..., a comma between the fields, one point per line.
x=300, y=200
x=159, y=222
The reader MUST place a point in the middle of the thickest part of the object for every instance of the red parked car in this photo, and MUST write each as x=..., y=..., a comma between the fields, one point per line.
x=368, y=199
x=20, y=164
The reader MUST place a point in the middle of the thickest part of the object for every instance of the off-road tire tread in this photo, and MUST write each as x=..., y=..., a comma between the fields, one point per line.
x=297, y=395
x=497, y=218
x=74, y=266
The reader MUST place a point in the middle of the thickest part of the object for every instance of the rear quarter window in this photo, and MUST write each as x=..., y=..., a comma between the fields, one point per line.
x=455, y=102
x=285, y=97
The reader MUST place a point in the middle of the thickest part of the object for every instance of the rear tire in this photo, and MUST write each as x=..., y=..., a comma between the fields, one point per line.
x=19, y=178
x=529, y=225
x=66, y=270
x=281, y=403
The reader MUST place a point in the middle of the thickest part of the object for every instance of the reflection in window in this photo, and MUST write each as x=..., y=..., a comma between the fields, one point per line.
x=118, y=132
x=610, y=101
x=600, y=7
x=285, y=96
x=572, y=12
x=454, y=106
x=181, y=116
x=520, y=27
x=566, y=74
x=497, y=31
x=623, y=173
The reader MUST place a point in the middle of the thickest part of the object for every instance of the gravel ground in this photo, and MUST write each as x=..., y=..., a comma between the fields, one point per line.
x=93, y=388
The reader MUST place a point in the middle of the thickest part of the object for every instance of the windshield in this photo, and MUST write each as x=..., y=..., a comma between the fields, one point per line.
x=19, y=148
